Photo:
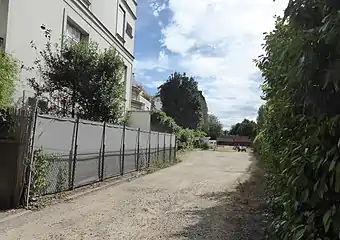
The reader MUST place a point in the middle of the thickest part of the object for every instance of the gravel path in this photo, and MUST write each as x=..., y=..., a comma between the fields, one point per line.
x=180, y=202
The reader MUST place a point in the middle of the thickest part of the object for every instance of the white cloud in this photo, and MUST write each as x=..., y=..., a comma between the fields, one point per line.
x=157, y=7
x=233, y=31
x=216, y=41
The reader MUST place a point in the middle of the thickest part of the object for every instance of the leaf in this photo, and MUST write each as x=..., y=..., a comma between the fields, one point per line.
x=332, y=165
x=299, y=234
x=305, y=195
x=326, y=220
x=337, y=178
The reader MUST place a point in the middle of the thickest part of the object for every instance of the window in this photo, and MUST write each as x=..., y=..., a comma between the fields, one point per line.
x=74, y=34
x=121, y=22
x=129, y=30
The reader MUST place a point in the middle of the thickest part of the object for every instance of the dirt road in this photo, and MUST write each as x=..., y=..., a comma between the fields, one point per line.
x=175, y=203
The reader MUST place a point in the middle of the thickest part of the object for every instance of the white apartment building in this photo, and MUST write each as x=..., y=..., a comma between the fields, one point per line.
x=107, y=22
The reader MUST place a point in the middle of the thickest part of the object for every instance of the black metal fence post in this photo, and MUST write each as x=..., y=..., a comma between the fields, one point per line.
x=170, y=148
x=32, y=142
x=75, y=153
x=123, y=151
x=158, y=146
x=103, y=153
x=175, y=150
x=164, y=148
x=149, y=152
x=138, y=146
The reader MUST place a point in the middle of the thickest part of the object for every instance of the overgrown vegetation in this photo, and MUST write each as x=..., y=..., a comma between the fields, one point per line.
x=185, y=137
x=79, y=78
x=300, y=123
x=39, y=172
x=8, y=75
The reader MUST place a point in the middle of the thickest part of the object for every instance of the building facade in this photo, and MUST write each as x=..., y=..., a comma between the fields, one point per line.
x=107, y=22
x=138, y=102
x=157, y=103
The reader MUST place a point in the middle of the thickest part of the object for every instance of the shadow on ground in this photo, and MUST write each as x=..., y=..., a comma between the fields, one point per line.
x=238, y=214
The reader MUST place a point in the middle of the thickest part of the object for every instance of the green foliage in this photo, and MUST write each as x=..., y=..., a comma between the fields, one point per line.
x=205, y=146
x=204, y=123
x=182, y=101
x=8, y=75
x=215, y=127
x=81, y=79
x=126, y=119
x=245, y=128
x=185, y=137
x=163, y=123
x=300, y=124
x=39, y=172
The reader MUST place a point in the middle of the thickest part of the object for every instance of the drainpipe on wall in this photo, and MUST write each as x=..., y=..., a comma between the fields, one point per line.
x=2, y=43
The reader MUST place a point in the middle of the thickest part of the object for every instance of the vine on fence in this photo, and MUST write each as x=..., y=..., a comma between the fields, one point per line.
x=39, y=172
x=186, y=137
x=42, y=164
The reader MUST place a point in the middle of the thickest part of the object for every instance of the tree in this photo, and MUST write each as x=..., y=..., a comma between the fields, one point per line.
x=80, y=78
x=204, y=125
x=8, y=75
x=181, y=100
x=245, y=128
x=215, y=127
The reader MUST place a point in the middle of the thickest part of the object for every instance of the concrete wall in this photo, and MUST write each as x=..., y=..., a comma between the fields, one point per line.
x=147, y=104
x=97, y=20
x=140, y=119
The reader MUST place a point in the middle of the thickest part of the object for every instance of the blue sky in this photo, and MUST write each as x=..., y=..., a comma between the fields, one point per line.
x=213, y=40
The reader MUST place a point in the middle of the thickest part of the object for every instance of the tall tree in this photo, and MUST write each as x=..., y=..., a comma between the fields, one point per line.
x=80, y=78
x=245, y=128
x=215, y=127
x=181, y=100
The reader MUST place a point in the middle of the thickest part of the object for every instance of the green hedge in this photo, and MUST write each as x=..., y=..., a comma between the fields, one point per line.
x=299, y=137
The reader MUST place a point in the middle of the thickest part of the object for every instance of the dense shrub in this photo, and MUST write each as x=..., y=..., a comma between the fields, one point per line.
x=185, y=137
x=299, y=128
x=8, y=75
x=205, y=146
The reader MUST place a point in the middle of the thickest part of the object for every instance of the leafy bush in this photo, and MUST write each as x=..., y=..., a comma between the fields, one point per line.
x=185, y=137
x=8, y=75
x=81, y=79
x=298, y=139
x=205, y=146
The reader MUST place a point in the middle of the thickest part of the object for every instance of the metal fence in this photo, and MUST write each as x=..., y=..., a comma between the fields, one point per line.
x=83, y=152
